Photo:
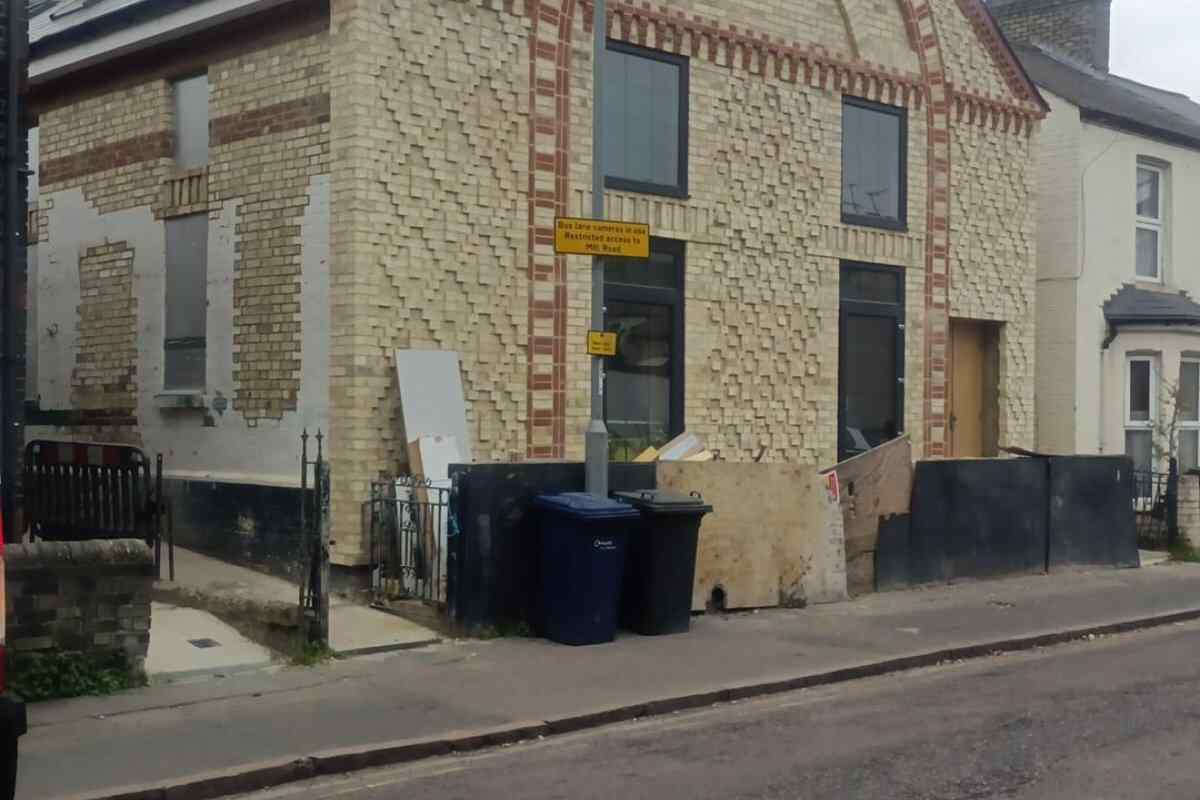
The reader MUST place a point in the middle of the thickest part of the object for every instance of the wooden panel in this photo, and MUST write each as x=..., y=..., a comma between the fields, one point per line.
x=874, y=484
x=774, y=537
x=968, y=355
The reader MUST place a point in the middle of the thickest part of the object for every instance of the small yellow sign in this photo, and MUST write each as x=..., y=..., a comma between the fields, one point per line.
x=601, y=343
x=589, y=237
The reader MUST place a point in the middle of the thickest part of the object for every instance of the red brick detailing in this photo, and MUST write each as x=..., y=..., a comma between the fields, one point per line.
x=276, y=118
x=989, y=33
x=549, y=144
x=937, y=248
x=975, y=109
x=673, y=31
x=146, y=147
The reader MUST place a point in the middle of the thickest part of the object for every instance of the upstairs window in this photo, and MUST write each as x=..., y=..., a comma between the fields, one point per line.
x=191, y=121
x=644, y=102
x=1150, y=222
x=874, y=164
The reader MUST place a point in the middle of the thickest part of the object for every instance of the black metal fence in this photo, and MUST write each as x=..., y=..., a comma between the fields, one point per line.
x=314, y=528
x=410, y=528
x=1156, y=505
x=84, y=490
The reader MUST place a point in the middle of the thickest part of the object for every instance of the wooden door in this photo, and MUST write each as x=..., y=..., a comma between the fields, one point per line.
x=974, y=399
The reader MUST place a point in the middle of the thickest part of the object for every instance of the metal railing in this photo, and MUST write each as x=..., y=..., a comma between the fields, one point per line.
x=1156, y=507
x=314, y=528
x=86, y=490
x=410, y=528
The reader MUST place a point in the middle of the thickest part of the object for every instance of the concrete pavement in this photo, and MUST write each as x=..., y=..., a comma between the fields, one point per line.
x=451, y=691
x=250, y=598
x=189, y=642
x=1110, y=720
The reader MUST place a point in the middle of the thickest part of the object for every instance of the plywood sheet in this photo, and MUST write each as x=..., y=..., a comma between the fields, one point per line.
x=431, y=396
x=774, y=537
x=431, y=457
x=874, y=484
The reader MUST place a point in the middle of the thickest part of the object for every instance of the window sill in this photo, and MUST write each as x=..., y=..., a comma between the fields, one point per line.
x=638, y=187
x=180, y=400
x=893, y=226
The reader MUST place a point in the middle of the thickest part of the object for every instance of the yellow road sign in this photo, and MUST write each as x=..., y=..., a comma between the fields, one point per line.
x=601, y=343
x=589, y=237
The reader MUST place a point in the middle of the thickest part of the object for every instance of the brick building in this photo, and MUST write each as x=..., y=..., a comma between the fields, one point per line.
x=841, y=195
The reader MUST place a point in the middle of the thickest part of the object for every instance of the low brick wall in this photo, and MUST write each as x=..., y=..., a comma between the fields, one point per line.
x=80, y=596
x=1189, y=508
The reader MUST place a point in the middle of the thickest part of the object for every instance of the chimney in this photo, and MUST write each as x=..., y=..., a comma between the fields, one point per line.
x=1075, y=28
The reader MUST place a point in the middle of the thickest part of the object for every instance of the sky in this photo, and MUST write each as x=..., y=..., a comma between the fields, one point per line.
x=1158, y=42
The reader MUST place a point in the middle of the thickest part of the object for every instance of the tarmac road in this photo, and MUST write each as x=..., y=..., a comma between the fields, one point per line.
x=1114, y=718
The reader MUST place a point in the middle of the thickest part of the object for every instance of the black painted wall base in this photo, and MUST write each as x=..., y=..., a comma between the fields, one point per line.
x=247, y=524
x=986, y=518
x=495, y=561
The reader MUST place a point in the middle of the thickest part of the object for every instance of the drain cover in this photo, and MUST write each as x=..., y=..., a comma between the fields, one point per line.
x=204, y=643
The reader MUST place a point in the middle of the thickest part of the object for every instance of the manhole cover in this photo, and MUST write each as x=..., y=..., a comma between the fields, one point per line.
x=204, y=643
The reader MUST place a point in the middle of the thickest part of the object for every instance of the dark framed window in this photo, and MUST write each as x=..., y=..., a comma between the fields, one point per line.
x=644, y=102
x=185, y=343
x=643, y=305
x=870, y=357
x=874, y=164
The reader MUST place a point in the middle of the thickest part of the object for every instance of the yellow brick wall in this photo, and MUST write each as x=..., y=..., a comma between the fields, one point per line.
x=879, y=33
x=268, y=175
x=969, y=65
x=435, y=239
x=430, y=227
x=105, y=375
x=122, y=121
x=993, y=267
x=817, y=22
x=764, y=247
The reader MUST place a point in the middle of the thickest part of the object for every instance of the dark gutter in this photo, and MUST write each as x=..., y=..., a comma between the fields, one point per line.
x=106, y=23
x=97, y=64
x=1168, y=321
x=1148, y=320
x=1115, y=323
x=1111, y=120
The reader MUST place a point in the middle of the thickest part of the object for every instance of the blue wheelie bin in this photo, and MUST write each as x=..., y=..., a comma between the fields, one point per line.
x=583, y=562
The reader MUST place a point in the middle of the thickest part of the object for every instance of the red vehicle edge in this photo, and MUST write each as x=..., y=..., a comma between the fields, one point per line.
x=13, y=722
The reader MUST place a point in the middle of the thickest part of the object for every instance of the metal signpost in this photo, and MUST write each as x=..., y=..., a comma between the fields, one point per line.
x=596, y=444
x=598, y=238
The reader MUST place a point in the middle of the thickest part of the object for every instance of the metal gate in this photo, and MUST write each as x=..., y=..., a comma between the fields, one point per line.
x=314, y=532
x=410, y=529
x=1155, y=503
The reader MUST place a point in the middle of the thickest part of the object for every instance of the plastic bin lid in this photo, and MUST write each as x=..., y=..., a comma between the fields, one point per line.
x=665, y=501
x=581, y=505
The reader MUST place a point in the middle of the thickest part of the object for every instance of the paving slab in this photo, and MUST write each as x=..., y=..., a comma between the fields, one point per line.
x=187, y=642
x=356, y=630
x=165, y=732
